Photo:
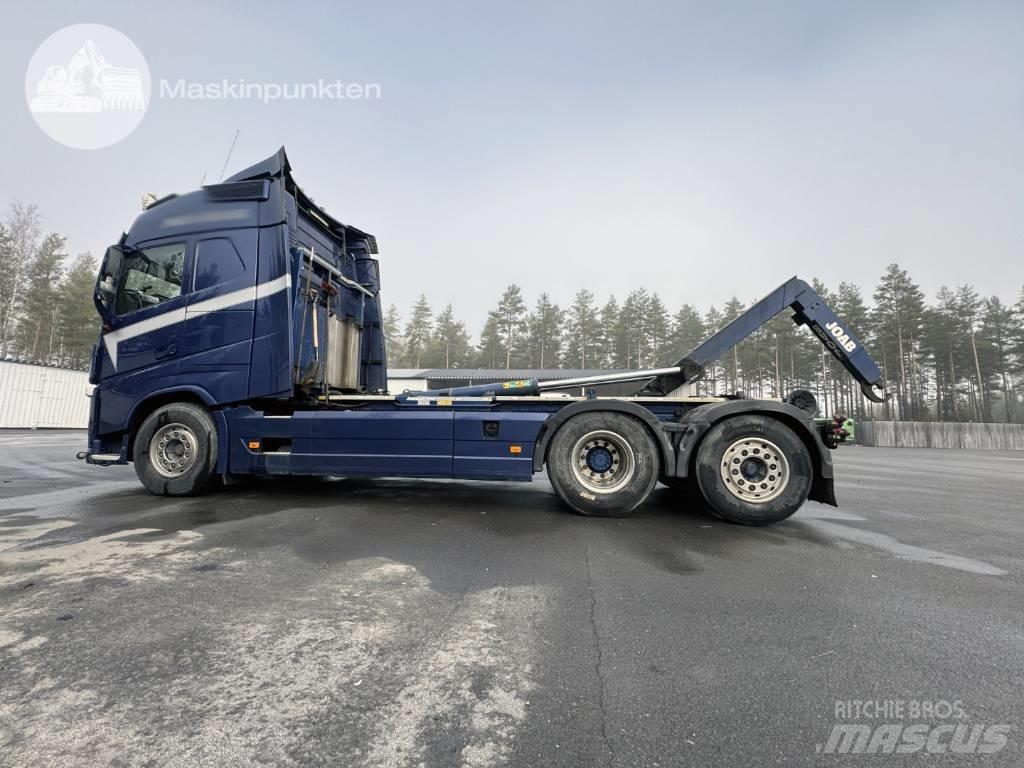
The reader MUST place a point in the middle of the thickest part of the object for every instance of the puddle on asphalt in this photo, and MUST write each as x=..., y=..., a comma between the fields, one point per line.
x=16, y=531
x=115, y=555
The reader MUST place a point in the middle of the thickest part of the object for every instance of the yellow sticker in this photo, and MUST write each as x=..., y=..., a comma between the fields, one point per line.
x=444, y=401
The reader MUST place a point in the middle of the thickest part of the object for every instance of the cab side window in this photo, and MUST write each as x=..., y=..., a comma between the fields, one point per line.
x=151, y=276
x=217, y=261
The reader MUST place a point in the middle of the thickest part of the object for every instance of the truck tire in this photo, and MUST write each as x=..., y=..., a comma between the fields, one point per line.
x=754, y=470
x=603, y=464
x=175, y=451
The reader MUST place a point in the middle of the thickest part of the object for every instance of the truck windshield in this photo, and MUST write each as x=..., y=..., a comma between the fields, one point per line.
x=150, y=276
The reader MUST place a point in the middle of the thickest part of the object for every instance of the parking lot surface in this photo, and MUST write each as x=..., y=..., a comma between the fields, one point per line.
x=406, y=623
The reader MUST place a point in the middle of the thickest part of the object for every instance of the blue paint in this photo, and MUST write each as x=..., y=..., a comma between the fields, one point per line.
x=239, y=338
x=599, y=459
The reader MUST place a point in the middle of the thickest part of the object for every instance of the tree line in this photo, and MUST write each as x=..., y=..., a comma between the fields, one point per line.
x=46, y=310
x=959, y=357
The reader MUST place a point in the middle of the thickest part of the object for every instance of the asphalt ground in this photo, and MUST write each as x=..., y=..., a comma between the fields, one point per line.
x=414, y=623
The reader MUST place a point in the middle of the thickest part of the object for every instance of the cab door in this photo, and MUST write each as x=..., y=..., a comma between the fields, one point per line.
x=148, y=312
x=218, y=331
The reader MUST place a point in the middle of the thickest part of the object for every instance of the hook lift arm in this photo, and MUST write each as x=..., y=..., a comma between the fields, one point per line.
x=809, y=309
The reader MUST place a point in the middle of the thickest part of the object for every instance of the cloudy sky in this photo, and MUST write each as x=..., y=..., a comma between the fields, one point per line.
x=701, y=150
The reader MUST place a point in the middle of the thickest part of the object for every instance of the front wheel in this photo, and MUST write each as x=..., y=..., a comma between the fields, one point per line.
x=175, y=451
x=754, y=470
x=603, y=464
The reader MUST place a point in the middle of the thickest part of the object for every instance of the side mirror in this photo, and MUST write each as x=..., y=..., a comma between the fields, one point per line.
x=106, y=281
x=107, y=290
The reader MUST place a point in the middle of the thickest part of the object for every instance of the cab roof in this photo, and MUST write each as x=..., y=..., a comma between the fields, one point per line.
x=277, y=166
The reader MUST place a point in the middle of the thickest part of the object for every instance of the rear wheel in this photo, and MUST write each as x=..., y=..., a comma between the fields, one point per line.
x=175, y=451
x=603, y=464
x=754, y=470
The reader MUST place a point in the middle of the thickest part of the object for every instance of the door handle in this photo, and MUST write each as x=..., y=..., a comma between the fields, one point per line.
x=169, y=351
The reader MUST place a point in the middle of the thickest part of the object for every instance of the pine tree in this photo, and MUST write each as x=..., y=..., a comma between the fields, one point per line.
x=943, y=336
x=41, y=297
x=754, y=355
x=633, y=325
x=417, y=334
x=996, y=334
x=491, y=348
x=822, y=370
x=1016, y=344
x=849, y=305
x=658, y=329
x=688, y=330
x=512, y=325
x=898, y=315
x=613, y=346
x=449, y=347
x=582, y=341
x=731, y=362
x=713, y=322
x=545, y=341
x=784, y=341
x=77, y=323
x=393, y=338
x=968, y=306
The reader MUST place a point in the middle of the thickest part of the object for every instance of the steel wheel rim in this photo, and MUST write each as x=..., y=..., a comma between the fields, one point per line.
x=755, y=470
x=172, y=451
x=603, y=462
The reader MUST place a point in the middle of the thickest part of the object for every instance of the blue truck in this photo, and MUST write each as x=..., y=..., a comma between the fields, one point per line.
x=241, y=335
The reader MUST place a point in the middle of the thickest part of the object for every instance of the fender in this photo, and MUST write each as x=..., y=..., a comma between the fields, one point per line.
x=219, y=420
x=128, y=437
x=222, y=442
x=550, y=427
x=166, y=396
x=202, y=394
x=697, y=422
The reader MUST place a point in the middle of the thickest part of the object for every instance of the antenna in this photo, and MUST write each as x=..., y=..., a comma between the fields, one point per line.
x=226, y=159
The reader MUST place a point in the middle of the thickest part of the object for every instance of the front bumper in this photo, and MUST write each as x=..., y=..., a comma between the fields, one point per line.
x=102, y=459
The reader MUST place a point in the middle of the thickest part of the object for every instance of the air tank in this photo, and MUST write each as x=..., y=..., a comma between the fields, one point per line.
x=343, y=354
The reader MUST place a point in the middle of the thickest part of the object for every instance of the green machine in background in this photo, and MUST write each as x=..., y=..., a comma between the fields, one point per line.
x=843, y=428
